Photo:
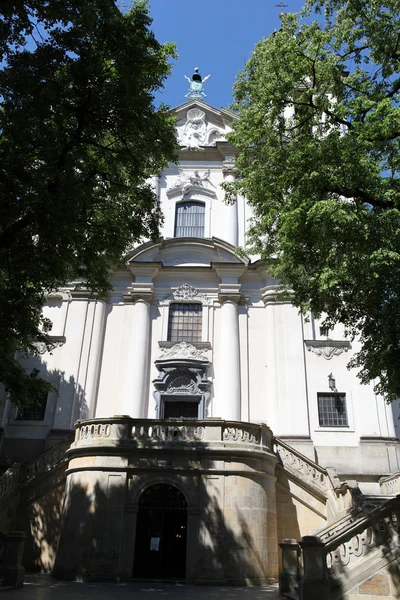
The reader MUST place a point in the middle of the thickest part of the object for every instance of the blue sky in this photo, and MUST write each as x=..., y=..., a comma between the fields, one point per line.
x=217, y=36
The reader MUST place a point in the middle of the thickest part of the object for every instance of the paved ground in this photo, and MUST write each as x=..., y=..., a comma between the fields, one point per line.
x=43, y=587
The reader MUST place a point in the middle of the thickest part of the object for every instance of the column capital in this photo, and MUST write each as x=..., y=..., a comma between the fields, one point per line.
x=139, y=291
x=229, y=169
x=229, y=292
x=274, y=294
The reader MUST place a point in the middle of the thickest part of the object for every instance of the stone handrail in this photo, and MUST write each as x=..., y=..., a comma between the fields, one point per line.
x=124, y=431
x=9, y=481
x=302, y=467
x=380, y=526
x=44, y=462
x=20, y=474
x=333, y=556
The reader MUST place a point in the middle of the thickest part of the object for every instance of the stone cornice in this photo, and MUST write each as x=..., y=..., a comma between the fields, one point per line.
x=139, y=291
x=145, y=270
x=193, y=190
x=228, y=270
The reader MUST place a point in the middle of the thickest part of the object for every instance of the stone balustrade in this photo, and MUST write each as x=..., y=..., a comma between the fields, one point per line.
x=20, y=474
x=333, y=557
x=124, y=431
x=302, y=467
x=368, y=531
x=390, y=486
x=44, y=462
x=9, y=481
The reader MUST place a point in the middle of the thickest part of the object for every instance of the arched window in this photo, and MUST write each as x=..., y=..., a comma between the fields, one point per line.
x=189, y=219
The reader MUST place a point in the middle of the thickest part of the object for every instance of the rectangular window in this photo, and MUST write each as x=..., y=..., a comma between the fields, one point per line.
x=35, y=412
x=189, y=219
x=181, y=409
x=332, y=410
x=185, y=322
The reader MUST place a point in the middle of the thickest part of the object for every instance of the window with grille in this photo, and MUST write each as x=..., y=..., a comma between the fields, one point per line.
x=35, y=412
x=332, y=410
x=189, y=219
x=185, y=322
x=175, y=408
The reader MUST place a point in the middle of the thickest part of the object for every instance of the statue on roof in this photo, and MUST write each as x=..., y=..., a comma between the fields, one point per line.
x=196, y=85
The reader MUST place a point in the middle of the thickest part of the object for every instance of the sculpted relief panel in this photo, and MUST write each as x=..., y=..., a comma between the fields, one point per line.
x=196, y=132
x=186, y=181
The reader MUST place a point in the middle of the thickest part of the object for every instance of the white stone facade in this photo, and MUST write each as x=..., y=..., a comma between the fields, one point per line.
x=260, y=361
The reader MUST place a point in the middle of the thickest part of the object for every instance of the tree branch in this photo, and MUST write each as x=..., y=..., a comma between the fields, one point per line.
x=361, y=194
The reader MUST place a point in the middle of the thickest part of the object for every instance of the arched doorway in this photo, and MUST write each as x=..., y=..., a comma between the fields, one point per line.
x=160, y=549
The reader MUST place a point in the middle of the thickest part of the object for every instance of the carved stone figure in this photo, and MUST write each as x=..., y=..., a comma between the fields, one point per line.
x=196, y=85
x=182, y=385
x=187, y=180
x=195, y=130
x=196, y=133
x=182, y=350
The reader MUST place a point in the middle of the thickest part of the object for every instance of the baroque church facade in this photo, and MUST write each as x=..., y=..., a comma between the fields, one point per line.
x=211, y=420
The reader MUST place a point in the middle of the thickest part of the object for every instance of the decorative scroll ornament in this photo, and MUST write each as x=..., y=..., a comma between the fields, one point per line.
x=327, y=349
x=196, y=132
x=54, y=342
x=185, y=181
x=182, y=385
x=182, y=350
x=185, y=293
x=60, y=294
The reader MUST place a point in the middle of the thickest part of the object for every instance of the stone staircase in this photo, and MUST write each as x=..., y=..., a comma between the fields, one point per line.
x=15, y=482
x=19, y=475
x=319, y=482
x=357, y=554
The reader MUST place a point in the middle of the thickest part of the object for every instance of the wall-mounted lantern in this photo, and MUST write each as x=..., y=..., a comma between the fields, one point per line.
x=331, y=382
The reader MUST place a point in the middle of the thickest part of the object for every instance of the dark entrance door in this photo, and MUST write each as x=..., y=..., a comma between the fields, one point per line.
x=160, y=549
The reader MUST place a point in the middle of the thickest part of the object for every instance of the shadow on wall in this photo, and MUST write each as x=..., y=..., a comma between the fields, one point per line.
x=234, y=543
x=39, y=515
x=37, y=508
x=23, y=439
x=288, y=525
x=396, y=417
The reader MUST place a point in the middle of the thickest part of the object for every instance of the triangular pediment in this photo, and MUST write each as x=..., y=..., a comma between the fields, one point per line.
x=199, y=125
x=187, y=252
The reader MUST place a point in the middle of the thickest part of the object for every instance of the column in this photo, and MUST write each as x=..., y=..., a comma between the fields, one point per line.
x=228, y=401
x=94, y=361
x=137, y=378
x=231, y=215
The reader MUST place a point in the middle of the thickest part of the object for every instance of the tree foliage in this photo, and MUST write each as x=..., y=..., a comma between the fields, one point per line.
x=319, y=133
x=79, y=138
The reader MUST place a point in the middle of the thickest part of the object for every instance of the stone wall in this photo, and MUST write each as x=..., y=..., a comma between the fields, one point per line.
x=383, y=585
x=39, y=516
x=229, y=487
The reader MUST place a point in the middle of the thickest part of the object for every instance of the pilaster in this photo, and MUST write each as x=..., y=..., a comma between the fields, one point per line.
x=231, y=210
